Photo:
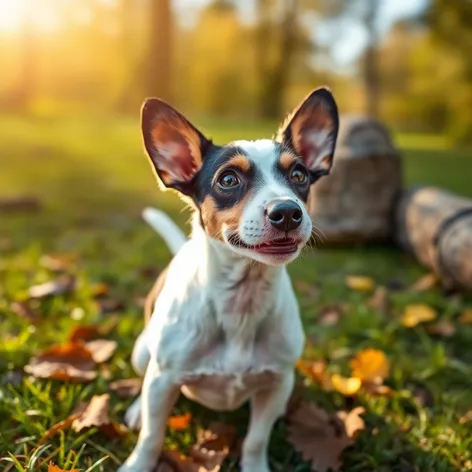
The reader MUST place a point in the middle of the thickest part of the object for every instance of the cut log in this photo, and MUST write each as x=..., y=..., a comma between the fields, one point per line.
x=356, y=202
x=436, y=227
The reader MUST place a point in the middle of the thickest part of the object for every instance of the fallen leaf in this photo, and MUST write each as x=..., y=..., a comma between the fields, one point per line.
x=100, y=290
x=416, y=314
x=360, y=283
x=173, y=461
x=427, y=282
x=377, y=389
x=96, y=415
x=24, y=311
x=320, y=437
x=370, y=365
x=59, y=262
x=109, y=305
x=19, y=204
x=54, y=468
x=84, y=333
x=59, y=286
x=71, y=361
x=126, y=387
x=101, y=349
x=379, y=300
x=330, y=315
x=314, y=370
x=60, y=426
x=466, y=418
x=466, y=317
x=179, y=422
x=444, y=328
x=346, y=386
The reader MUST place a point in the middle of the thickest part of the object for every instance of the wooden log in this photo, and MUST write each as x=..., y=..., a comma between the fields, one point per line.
x=436, y=227
x=356, y=202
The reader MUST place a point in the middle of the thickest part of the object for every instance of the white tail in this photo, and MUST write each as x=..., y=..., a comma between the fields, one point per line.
x=166, y=228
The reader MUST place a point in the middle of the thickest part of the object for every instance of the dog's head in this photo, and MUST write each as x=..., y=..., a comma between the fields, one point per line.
x=251, y=195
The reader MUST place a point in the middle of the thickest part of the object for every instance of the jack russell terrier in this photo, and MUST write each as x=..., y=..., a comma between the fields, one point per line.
x=225, y=325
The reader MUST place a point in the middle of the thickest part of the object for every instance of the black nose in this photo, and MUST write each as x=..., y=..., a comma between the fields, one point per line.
x=285, y=215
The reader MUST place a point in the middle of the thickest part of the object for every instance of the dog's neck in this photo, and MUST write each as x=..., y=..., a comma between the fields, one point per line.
x=244, y=285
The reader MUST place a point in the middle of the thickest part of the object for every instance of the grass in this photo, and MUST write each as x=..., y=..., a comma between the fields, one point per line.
x=92, y=180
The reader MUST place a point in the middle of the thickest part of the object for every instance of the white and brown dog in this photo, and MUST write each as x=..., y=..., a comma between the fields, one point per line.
x=225, y=324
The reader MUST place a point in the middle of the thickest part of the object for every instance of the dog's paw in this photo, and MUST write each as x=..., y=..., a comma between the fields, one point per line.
x=133, y=415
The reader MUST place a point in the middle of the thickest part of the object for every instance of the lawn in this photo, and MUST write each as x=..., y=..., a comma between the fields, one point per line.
x=92, y=180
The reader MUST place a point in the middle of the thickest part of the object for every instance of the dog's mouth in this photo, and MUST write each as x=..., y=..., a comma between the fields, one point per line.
x=279, y=246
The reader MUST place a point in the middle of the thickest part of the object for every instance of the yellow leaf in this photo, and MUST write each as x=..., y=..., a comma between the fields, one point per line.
x=370, y=365
x=314, y=370
x=179, y=422
x=360, y=283
x=346, y=386
x=416, y=314
x=466, y=317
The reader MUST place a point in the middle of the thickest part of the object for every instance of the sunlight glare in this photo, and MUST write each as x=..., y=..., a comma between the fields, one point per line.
x=44, y=14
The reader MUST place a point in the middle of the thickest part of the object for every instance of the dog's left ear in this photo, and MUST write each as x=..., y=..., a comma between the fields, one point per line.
x=174, y=146
x=312, y=130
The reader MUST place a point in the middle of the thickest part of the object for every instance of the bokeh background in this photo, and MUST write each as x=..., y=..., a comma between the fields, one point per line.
x=74, y=74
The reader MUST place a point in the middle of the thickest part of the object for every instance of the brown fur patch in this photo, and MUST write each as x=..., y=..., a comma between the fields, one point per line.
x=215, y=219
x=247, y=293
x=287, y=159
x=240, y=161
x=154, y=294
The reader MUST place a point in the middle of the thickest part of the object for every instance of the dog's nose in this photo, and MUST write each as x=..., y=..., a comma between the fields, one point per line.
x=285, y=215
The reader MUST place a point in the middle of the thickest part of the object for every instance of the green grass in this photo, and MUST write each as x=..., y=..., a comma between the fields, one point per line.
x=92, y=179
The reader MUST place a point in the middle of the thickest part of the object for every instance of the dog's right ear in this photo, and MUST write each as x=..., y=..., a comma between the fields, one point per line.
x=174, y=146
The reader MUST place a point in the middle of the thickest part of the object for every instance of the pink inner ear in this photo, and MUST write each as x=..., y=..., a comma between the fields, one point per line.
x=316, y=148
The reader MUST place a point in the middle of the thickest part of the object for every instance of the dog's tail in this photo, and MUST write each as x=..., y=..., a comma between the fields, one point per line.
x=166, y=228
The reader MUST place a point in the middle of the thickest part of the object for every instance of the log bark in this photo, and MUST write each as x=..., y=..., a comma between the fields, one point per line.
x=436, y=227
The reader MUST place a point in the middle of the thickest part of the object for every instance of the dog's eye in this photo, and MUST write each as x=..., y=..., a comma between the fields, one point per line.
x=298, y=175
x=228, y=179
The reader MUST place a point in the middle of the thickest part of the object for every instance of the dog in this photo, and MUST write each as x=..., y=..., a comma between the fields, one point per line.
x=225, y=325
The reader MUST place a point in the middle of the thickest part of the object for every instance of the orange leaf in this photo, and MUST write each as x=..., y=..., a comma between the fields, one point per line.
x=100, y=290
x=314, y=370
x=346, y=386
x=70, y=361
x=370, y=365
x=54, y=468
x=179, y=422
x=360, y=283
x=61, y=426
x=416, y=314
x=84, y=333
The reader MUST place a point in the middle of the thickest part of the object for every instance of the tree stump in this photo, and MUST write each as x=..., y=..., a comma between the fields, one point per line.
x=355, y=203
x=436, y=227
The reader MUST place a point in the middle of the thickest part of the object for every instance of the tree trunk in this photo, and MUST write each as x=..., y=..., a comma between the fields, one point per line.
x=159, y=57
x=370, y=71
x=436, y=227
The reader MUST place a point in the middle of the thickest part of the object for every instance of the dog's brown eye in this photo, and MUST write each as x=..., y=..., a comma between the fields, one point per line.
x=298, y=175
x=228, y=179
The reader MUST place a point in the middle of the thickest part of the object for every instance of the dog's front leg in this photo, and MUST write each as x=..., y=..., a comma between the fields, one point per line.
x=159, y=393
x=266, y=406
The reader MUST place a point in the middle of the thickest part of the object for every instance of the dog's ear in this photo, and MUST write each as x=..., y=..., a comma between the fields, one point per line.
x=174, y=146
x=311, y=130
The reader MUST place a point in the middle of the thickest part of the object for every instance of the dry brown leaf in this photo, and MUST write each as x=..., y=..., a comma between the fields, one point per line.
x=173, y=461
x=126, y=387
x=377, y=389
x=100, y=290
x=466, y=418
x=416, y=314
x=314, y=370
x=109, y=305
x=444, y=328
x=24, y=310
x=465, y=317
x=346, y=386
x=71, y=361
x=59, y=286
x=370, y=365
x=179, y=422
x=96, y=415
x=360, y=283
x=61, y=426
x=54, y=468
x=84, y=333
x=320, y=437
x=101, y=349
x=59, y=262
x=330, y=315
x=379, y=300
x=427, y=282
x=352, y=421
x=19, y=204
